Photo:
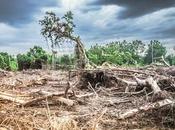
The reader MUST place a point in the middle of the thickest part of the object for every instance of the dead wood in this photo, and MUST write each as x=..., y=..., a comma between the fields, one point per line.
x=158, y=94
x=131, y=83
x=46, y=96
x=139, y=84
x=39, y=81
x=149, y=82
x=116, y=102
x=164, y=61
x=122, y=92
x=133, y=71
x=21, y=99
x=22, y=82
x=67, y=89
x=145, y=108
x=72, y=87
x=26, y=100
x=66, y=101
x=170, y=71
x=84, y=95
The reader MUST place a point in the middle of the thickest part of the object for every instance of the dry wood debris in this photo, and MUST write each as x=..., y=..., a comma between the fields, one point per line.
x=115, y=98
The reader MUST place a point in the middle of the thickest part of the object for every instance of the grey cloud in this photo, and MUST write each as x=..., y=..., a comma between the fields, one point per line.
x=137, y=8
x=125, y=26
x=15, y=12
x=164, y=33
x=170, y=32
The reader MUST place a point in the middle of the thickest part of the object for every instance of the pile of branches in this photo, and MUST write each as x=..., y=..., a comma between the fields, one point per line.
x=94, y=99
x=154, y=88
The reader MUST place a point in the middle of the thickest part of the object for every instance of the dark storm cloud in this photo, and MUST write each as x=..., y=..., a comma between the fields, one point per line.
x=21, y=11
x=164, y=33
x=96, y=22
x=136, y=8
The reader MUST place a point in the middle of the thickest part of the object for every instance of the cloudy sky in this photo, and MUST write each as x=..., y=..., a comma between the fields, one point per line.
x=96, y=21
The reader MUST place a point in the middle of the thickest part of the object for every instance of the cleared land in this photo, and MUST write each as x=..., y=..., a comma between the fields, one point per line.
x=101, y=99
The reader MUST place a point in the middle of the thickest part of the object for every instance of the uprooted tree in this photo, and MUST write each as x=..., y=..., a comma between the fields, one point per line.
x=57, y=30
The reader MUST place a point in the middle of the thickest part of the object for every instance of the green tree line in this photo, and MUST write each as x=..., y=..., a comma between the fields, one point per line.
x=129, y=53
x=118, y=53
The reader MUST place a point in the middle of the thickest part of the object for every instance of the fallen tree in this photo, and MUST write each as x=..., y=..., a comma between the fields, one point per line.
x=27, y=100
x=145, y=108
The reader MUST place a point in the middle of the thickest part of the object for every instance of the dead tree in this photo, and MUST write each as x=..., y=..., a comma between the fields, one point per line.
x=57, y=30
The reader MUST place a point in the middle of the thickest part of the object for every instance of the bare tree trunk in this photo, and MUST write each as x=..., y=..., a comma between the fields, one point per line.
x=164, y=61
x=82, y=59
x=53, y=59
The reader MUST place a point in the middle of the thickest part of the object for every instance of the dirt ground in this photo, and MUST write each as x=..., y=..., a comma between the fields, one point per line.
x=36, y=100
